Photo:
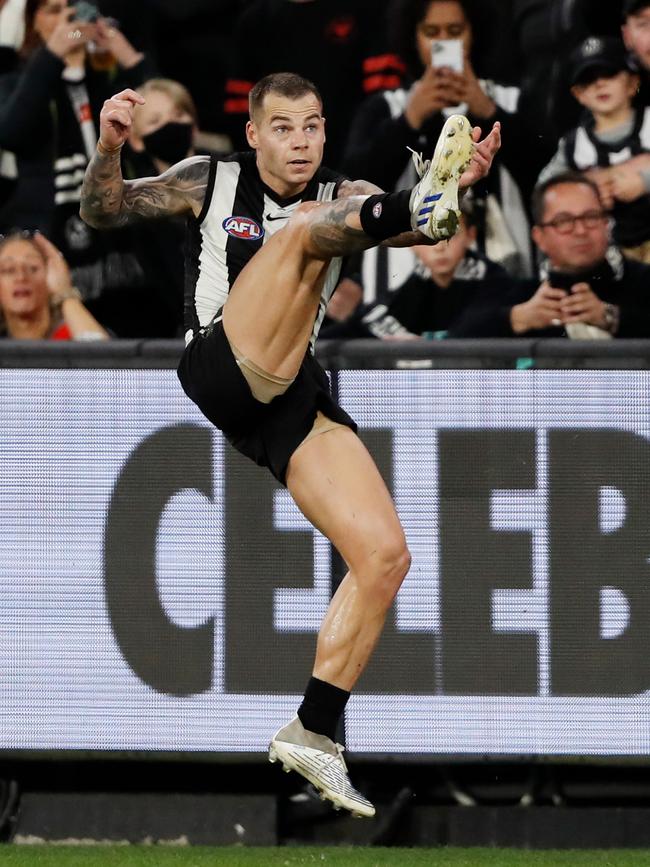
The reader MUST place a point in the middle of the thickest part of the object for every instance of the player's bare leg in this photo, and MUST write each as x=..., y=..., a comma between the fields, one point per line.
x=336, y=484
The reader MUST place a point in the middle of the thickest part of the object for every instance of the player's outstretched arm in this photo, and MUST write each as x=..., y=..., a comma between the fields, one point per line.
x=108, y=201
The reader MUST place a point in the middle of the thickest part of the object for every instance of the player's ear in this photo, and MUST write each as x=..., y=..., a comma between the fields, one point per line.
x=251, y=134
x=324, y=131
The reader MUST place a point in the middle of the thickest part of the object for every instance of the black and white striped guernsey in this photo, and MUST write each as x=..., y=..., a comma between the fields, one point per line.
x=239, y=215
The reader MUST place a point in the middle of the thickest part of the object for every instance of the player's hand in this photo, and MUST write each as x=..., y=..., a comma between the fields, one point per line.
x=57, y=271
x=69, y=35
x=116, y=118
x=484, y=153
x=543, y=310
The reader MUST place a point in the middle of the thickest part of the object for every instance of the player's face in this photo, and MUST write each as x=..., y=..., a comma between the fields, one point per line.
x=636, y=34
x=289, y=136
x=444, y=19
x=583, y=246
x=23, y=283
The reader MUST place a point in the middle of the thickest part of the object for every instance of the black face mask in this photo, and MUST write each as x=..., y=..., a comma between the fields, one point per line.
x=171, y=143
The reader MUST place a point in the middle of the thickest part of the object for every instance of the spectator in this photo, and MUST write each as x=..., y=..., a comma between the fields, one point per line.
x=194, y=44
x=37, y=298
x=165, y=127
x=433, y=300
x=48, y=110
x=337, y=44
x=396, y=119
x=163, y=133
x=610, y=140
x=588, y=288
x=636, y=36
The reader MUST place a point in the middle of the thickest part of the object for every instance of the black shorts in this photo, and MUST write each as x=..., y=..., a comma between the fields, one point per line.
x=267, y=433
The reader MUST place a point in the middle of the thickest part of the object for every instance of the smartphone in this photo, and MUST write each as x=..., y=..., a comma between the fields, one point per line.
x=561, y=280
x=84, y=11
x=447, y=52
x=565, y=280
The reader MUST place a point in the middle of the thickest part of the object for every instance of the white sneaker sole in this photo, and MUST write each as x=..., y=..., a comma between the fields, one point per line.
x=439, y=213
x=279, y=753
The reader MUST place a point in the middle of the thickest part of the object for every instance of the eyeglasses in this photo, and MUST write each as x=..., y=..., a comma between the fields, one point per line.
x=566, y=223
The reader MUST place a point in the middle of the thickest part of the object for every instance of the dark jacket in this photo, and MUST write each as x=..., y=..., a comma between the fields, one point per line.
x=617, y=280
x=421, y=307
x=36, y=120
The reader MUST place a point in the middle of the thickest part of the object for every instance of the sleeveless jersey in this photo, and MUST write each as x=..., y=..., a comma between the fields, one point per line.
x=240, y=213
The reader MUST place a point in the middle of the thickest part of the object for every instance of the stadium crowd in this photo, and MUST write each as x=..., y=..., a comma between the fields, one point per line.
x=555, y=241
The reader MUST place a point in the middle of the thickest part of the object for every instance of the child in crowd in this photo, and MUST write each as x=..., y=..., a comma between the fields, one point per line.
x=611, y=143
x=432, y=302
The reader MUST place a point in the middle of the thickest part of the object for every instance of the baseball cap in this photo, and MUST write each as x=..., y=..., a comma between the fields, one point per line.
x=631, y=7
x=606, y=53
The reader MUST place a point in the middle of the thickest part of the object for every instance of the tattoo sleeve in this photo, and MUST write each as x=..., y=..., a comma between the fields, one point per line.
x=108, y=201
x=365, y=188
x=336, y=231
x=357, y=188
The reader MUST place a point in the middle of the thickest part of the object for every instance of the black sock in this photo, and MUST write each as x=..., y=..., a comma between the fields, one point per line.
x=386, y=215
x=322, y=707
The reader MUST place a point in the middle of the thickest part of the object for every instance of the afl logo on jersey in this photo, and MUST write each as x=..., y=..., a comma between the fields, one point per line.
x=243, y=227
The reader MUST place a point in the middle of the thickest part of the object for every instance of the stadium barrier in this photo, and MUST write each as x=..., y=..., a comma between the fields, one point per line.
x=159, y=595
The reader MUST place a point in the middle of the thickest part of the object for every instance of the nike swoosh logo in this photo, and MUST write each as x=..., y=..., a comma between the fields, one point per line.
x=280, y=217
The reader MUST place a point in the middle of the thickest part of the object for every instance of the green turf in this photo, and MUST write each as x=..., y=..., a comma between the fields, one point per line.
x=198, y=856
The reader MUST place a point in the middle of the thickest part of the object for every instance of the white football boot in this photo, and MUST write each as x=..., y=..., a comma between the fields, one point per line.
x=434, y=200
x=319, y=760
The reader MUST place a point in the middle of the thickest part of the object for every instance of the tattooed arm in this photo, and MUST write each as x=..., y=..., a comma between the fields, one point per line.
x=107, y=200
x=484, y=152
x=365, y=188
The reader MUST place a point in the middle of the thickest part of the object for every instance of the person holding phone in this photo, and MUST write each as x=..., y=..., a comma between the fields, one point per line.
x=586, y=288
x=440, y=46
x=49, y=110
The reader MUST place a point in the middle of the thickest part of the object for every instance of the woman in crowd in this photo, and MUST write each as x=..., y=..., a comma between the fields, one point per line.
x=37, y=298
x=71, y=60
x=164, y=132
x=391, y=122
x=164, y=128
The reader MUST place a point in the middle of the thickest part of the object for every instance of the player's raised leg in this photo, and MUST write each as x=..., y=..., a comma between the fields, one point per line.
x=337, y=486
x=271, y=307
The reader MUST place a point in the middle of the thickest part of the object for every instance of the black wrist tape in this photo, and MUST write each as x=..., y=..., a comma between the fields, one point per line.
x=386, y=215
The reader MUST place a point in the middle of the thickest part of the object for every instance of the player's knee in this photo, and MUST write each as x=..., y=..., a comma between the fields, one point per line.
x=389, y=564
x=300, y=219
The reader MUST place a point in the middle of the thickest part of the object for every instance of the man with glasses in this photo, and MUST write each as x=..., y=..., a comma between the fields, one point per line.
x=588, y=289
